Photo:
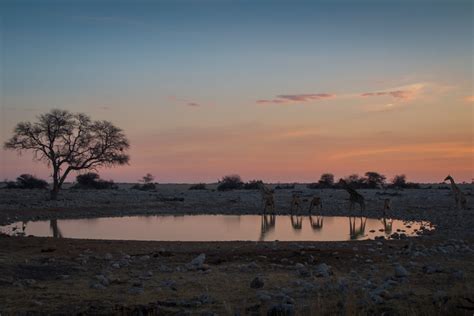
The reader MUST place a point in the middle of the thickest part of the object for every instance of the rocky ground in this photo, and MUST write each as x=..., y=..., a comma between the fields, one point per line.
x=428, y=275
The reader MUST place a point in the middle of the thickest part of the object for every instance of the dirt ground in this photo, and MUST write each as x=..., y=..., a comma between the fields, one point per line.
x=428, y=275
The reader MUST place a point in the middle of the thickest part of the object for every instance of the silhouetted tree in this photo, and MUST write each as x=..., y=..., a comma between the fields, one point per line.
x=399, y=181
x=253, y=185
x=374, y=179
x=92, y=180
x=230, y=182
x=326, y=180
x=148, y=178
x=70, y=142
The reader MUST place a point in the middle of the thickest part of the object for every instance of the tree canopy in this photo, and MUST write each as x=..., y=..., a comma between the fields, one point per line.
x=70, y=142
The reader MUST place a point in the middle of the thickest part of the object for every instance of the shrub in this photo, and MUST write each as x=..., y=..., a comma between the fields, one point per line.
x=374, y=180
x=198, y=186
x=230, y=182
x=326, y=180
x=147, y=185
x=253, y=185
x=399, y=182
x=27, y=181
x=91, y=180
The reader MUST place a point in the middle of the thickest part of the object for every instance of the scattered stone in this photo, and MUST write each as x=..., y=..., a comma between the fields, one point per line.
x=257, y=283
x=323, y=270
x=400, y=271
x=196, y=263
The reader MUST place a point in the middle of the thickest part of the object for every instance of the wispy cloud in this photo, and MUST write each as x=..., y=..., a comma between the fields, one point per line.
x=186, y=102
x=400, y=93
x=296, y=98
x=469, y=98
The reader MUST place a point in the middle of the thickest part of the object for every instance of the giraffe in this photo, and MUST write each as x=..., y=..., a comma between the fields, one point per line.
x=316, y=224
x=459, y=196
x=267, y=199
x=387, y=206
x=355, y=197
x=296, y=222
x=315, y=202
x=295, y=202
x=360, y=231
x=268, y=224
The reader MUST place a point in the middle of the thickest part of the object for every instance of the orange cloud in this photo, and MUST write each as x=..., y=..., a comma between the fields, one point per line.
x=469, y=98
x=300, y=98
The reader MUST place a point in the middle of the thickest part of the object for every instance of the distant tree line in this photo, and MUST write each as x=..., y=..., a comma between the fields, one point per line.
x=371, y=180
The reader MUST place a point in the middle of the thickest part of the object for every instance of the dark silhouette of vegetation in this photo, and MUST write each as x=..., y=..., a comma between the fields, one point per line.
x=400, y=182
x=285, y=187
x=253, y=185
x=325, y=182
x=91, y=180
x=198, y=186
x=70, y=142
x=230, y=182
x=148, y=184
x=374, y=180
x=27, y=181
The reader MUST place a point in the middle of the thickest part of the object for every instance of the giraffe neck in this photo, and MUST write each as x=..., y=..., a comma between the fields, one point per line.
x=453, y=184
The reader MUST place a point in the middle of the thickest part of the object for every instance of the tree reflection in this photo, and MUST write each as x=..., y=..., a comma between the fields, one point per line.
x=53, y=225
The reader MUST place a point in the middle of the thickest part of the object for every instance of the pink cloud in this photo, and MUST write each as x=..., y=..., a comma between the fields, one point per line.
x=398, y=94
x=290, y=98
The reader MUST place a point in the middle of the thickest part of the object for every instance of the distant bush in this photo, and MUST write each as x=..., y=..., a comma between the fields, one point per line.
x=400, y=182
x=27, y=181
x=230, y=182
x=253, y=185
x=147, y=185
x=198, y=186
x=144, y=187
x=92, y=180
x=326, y=180
x=285, y=187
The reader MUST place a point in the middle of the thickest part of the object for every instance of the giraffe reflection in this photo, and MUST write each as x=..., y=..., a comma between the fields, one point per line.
x=297, y=222
x=359, y=231
x=316, y=222
x=387, y=225
x=267, y=225
x=53, y=225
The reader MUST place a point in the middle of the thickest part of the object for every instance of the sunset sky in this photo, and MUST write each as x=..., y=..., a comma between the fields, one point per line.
x=273, y=90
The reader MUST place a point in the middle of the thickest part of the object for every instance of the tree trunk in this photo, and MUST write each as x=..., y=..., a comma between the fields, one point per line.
x=55, y=190
x=54, y=193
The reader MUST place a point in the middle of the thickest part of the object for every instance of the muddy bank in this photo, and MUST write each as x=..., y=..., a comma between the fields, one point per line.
x=416, y=276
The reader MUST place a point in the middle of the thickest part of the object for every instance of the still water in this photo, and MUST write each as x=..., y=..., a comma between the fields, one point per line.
x=219, y=228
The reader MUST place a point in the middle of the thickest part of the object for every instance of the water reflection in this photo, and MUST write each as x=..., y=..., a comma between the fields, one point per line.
x=387, y=225
x=297, y=222
x=264, y=227
x=357, y=231
x=53, y=225
x=267, y=225
x=316, y=222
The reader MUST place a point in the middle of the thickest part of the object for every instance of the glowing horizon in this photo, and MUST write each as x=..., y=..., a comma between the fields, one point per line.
x=293, y=92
